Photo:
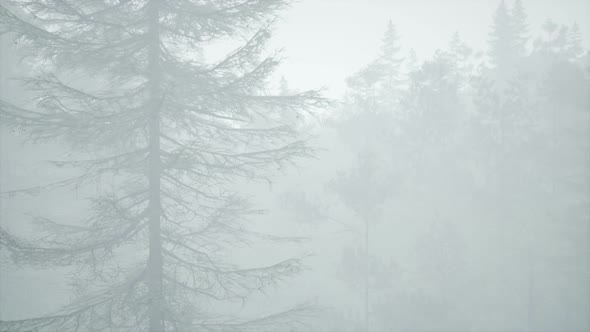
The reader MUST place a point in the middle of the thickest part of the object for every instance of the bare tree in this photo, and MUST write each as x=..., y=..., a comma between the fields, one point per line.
x=123, y=84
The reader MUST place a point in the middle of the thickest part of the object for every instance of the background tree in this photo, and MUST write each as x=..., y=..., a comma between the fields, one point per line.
x=391, y=62
x=575, y=41
x=504, y=42
x=376, y=87
x=527, y=149
x=520, y=26
x=363, y=190
x=124, y=85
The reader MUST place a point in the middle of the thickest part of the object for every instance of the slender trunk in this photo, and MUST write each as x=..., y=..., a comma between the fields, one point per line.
x=531, y=288
x=155, y=261
x=367, y=275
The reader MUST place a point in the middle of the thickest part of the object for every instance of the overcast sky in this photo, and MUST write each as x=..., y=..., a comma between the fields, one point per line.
x=325, y=40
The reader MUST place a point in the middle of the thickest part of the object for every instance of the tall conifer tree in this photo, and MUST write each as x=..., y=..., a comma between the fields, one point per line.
x=173, y=134
x=503, y=42
x=391, y=59
x=377, y=86
x=520, y=26
x=575, y=47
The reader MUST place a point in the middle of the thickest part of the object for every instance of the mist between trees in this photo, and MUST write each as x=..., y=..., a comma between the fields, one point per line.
x=159, y=175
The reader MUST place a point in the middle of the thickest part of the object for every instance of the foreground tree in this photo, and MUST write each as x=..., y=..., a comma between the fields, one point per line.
x=124, y=84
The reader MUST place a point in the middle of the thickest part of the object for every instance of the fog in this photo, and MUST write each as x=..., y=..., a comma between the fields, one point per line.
x=317, y=165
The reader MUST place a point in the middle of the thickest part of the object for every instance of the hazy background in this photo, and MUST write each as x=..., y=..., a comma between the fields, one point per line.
x=331, y=38
x=468, y=232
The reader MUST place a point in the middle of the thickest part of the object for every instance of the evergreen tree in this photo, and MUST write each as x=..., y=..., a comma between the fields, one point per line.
x=363, y=190
x=559, y=42
x=411, y=63
x=376, y=87
x=520, y=26
x=530, y=151
x=173, y=134
x=460, y=56
x=503, y=42
x=390, y=59
x=575, y=41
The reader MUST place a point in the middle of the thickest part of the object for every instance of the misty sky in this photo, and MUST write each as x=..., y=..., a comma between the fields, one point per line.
x=329, y=38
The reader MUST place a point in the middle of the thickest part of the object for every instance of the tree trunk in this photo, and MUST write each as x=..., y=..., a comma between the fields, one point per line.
x=155, y=261
x=367, y=275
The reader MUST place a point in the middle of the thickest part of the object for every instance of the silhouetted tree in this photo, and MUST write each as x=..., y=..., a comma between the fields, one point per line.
x=376, y=87
x=504, y=42
x=575, y=41
x=461, y=56
x=531, y=151
x=363, y=190
x=520, y=26
x=391, y=62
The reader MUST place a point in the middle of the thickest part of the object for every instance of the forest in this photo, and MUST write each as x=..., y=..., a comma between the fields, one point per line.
x=159, y=171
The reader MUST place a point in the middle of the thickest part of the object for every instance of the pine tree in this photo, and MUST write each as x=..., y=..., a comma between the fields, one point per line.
x=363, y=190
x=503, y=42
x=461, y=56
x=575, y=41
x=390, y=59
x=376, y=87
x=520, y=26
x=124, y=85
x=558, y=41
x=411, y=62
